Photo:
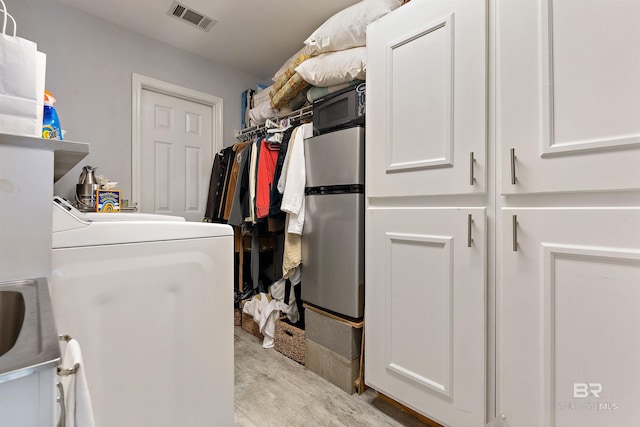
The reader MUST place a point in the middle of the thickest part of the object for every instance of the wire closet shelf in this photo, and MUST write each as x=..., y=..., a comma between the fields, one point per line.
x=294, y=117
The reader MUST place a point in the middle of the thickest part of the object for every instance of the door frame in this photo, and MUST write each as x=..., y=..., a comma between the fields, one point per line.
x=141, y=82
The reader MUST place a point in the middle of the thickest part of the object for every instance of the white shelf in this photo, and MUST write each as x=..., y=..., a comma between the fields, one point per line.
x=66, y=154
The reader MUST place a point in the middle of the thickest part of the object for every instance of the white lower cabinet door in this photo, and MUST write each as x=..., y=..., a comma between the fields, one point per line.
x=569, y=317
x=425, y=310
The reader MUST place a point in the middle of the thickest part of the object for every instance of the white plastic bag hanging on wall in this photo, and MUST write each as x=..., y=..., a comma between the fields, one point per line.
x=22, y=79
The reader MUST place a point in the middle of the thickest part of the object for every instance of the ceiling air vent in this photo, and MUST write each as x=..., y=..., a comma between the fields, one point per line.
x=190, y=16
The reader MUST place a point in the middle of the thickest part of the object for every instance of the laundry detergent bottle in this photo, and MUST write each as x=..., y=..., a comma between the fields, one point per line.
x=50, y=123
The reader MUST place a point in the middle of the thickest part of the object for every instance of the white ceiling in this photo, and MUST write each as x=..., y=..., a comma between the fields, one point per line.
x=255, y=36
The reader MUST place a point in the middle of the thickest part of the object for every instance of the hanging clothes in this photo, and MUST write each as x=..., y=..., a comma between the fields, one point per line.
x=239, y=206
x=264, y=177
x=253, y=167
x=291, y=185
x=294, y=183
x=227, y=164
x=275, y=198
x=292, y=254
x=233, y=178
x=213, y=187
x=267, y=181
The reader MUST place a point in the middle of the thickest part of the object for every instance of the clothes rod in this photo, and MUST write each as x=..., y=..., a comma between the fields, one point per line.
x=254, y=131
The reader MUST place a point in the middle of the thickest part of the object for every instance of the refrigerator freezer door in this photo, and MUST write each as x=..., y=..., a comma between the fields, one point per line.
x=332, y=253
x=335, y=158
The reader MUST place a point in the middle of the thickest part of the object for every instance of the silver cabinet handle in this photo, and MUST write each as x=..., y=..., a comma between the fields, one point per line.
x=514, y=225
x=472, y=160
x=513, y=166
x=469, y=223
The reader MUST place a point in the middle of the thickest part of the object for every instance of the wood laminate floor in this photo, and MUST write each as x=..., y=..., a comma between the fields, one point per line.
x=273, y=390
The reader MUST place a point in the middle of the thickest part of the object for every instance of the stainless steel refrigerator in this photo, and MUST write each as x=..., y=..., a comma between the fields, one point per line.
x=333, y=235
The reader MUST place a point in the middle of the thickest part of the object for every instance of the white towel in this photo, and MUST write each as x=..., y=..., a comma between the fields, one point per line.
x=272, y=312
x=77, y=400
x=296, y=276
x=256, y=305
x=267, y=323
x=266, y=310
x=290, y=308
x=262, y=308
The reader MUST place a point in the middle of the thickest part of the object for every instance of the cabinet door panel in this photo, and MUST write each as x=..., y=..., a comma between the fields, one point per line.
x=568, y=95
x=568, y=319
x=425, y=310
x=426, y=99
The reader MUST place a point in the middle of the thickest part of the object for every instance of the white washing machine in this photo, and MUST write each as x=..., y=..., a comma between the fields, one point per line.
x=148, y=298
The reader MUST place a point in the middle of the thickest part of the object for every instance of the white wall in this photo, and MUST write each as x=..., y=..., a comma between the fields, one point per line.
x=89, y=67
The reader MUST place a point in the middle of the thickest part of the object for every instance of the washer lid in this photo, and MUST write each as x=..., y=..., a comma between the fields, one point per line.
x=129, y=216
x=123, y=232
x=65, y=215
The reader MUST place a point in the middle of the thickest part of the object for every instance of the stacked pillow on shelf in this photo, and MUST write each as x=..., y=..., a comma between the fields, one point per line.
x=289, y=84
x=337, y=49
x=333, y=57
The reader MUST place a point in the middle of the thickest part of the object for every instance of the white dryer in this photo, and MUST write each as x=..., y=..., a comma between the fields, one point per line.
x=148, y=298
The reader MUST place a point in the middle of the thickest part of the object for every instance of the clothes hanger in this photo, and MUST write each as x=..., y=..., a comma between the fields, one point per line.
x=274, y=137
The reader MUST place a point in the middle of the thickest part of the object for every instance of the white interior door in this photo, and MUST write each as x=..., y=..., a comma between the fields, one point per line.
x=176, y=154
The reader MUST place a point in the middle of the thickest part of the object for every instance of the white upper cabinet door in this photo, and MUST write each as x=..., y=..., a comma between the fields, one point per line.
x=569, y=317
x=568, y=95
x=425, y=310
x=426, y=100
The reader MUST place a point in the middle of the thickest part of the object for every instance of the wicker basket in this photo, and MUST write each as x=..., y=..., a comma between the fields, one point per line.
x=237, y=317
x=289, y=340
x=249, y=325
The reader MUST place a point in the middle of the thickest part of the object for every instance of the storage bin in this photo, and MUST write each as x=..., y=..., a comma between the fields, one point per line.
x=290, y=340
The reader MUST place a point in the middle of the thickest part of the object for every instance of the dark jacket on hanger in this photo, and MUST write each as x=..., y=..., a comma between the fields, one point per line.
x=227, y=162
x=213, y=187
x=240, y=206
x=276, y=196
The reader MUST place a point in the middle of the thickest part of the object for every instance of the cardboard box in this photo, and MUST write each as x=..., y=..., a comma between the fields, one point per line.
x=107, y=200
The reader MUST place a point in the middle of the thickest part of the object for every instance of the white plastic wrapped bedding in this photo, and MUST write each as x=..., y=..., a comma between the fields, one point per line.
x=260, y=113
x=261, y=96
